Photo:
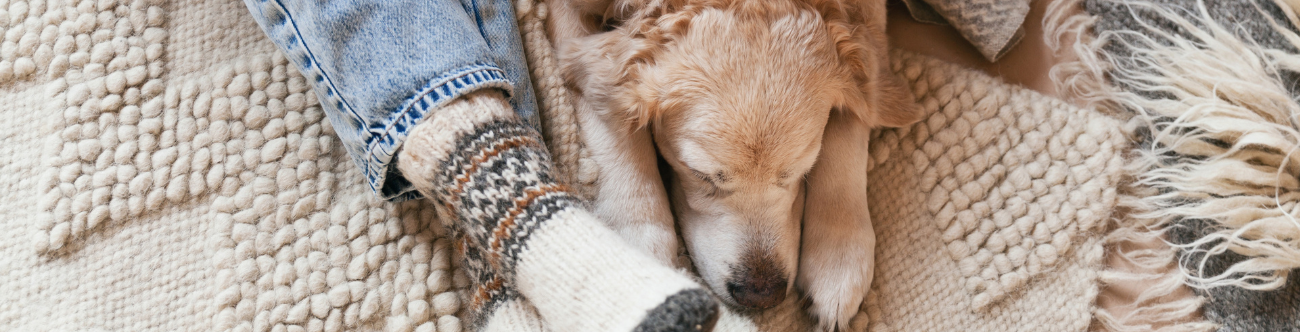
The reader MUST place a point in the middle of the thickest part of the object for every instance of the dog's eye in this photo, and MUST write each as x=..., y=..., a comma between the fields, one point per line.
x=702, y=176
x=708, y=180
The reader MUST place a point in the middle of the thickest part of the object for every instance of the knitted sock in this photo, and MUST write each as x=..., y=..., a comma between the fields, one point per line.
x=493, y=173
x=494, y=304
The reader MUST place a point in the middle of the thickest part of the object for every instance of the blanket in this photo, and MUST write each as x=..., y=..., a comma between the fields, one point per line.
x=165, y=168
x=992, y=26
x=1211, y=88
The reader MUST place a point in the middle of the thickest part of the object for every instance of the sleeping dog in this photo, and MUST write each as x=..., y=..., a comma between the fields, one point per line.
x=762, y=110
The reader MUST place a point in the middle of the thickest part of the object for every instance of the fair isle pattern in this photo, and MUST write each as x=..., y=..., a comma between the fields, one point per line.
x=499, y=180
x=490, y=290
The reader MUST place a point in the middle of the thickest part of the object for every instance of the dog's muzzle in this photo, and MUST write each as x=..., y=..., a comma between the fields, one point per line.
x=758, y=283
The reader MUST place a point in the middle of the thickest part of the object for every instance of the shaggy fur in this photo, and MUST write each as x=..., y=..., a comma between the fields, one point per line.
x=748, y=102
x=1220, y=131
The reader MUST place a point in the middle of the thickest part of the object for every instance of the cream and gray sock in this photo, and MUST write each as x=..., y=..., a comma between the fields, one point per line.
x=529, y=246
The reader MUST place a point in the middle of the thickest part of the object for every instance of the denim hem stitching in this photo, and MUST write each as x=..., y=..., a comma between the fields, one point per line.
x=436, y=93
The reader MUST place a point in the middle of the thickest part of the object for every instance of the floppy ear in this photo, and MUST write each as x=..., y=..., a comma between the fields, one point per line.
x=876, y=96
x=609, y=71
x=619, y=64
x=895, y=105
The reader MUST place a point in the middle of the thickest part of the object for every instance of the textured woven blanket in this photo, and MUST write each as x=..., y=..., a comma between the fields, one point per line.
x=164, y=168
x=988, y=212
x=992, y=26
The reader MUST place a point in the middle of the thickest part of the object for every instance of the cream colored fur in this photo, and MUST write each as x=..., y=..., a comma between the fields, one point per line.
x=1223, y=135
x=737, y=97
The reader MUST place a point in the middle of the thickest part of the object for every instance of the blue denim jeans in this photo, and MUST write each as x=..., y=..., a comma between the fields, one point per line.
x=380, y=66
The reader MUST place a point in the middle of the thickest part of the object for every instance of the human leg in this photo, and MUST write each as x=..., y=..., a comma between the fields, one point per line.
x=494, y=174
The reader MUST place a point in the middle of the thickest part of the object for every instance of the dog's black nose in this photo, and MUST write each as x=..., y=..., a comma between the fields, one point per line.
x=758, y=284
x=761, y=295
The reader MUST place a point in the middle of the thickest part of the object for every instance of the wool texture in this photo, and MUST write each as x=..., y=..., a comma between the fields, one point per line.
x=1211, y=87
x=164, y=168
x=1084, y=81
x=523, y=233
x=990, y=207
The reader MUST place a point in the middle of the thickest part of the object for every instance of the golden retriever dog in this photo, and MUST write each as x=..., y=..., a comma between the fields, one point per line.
x=762, y=109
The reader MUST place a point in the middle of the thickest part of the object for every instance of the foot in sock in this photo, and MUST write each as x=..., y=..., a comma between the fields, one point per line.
x=496, y=306
x=527, y=235
x=493, y=304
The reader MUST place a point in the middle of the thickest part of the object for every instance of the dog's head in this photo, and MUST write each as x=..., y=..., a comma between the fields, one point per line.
x=737, y=94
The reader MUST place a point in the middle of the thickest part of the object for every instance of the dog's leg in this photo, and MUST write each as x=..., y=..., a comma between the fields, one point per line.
x=630, y=195
x=837, y=253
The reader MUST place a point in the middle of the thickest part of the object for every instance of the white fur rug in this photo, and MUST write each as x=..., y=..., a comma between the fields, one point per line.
x=163, y=168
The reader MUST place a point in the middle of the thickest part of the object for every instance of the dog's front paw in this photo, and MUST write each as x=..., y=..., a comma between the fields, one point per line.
x=833, y=311
x=838, y=244
x=836, y=279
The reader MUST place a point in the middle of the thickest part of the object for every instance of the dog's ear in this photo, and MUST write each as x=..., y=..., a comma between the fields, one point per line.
x=895, y=105
x=876, y=96
x=638, y=89
x=611, y=70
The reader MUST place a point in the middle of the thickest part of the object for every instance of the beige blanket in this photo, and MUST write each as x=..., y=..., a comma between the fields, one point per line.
x=164, y=168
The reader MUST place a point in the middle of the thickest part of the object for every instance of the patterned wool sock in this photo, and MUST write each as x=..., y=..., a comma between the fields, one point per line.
x=494, y=305
x=493, y=173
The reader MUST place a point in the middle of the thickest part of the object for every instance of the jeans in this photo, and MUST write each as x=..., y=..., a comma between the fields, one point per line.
x=380, y=66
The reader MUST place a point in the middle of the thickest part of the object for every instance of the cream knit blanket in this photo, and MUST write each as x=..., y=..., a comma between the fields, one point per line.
x=164, y=168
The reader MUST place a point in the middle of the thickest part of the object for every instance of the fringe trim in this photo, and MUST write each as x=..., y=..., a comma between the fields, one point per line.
x=1221, y=129
x=1081, y=81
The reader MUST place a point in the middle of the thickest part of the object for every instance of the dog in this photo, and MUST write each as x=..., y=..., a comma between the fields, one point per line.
x=762, y=111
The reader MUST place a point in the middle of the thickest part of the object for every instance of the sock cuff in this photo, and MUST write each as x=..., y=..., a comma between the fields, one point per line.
x=491, y=173
x=431, y=141
x=498, y=182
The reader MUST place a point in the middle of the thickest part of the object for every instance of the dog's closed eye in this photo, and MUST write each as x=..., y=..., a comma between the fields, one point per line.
x=783, y=180
x=711, y=182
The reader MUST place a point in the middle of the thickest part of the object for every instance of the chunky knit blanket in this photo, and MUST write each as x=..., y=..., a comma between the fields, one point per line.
x=163, y=168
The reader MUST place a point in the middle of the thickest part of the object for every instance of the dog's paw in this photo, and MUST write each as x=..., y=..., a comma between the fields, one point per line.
x=836, y=297
x=835, y=275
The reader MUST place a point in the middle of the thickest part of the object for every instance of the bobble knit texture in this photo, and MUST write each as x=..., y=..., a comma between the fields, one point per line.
x=164, y=168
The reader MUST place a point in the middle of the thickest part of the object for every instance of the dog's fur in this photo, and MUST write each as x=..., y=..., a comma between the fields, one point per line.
x=748, y=101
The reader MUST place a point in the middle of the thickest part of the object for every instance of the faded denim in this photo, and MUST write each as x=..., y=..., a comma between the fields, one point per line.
x=380, y=66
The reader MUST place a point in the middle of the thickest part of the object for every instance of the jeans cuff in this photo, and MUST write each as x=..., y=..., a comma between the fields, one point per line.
x=380, y=170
